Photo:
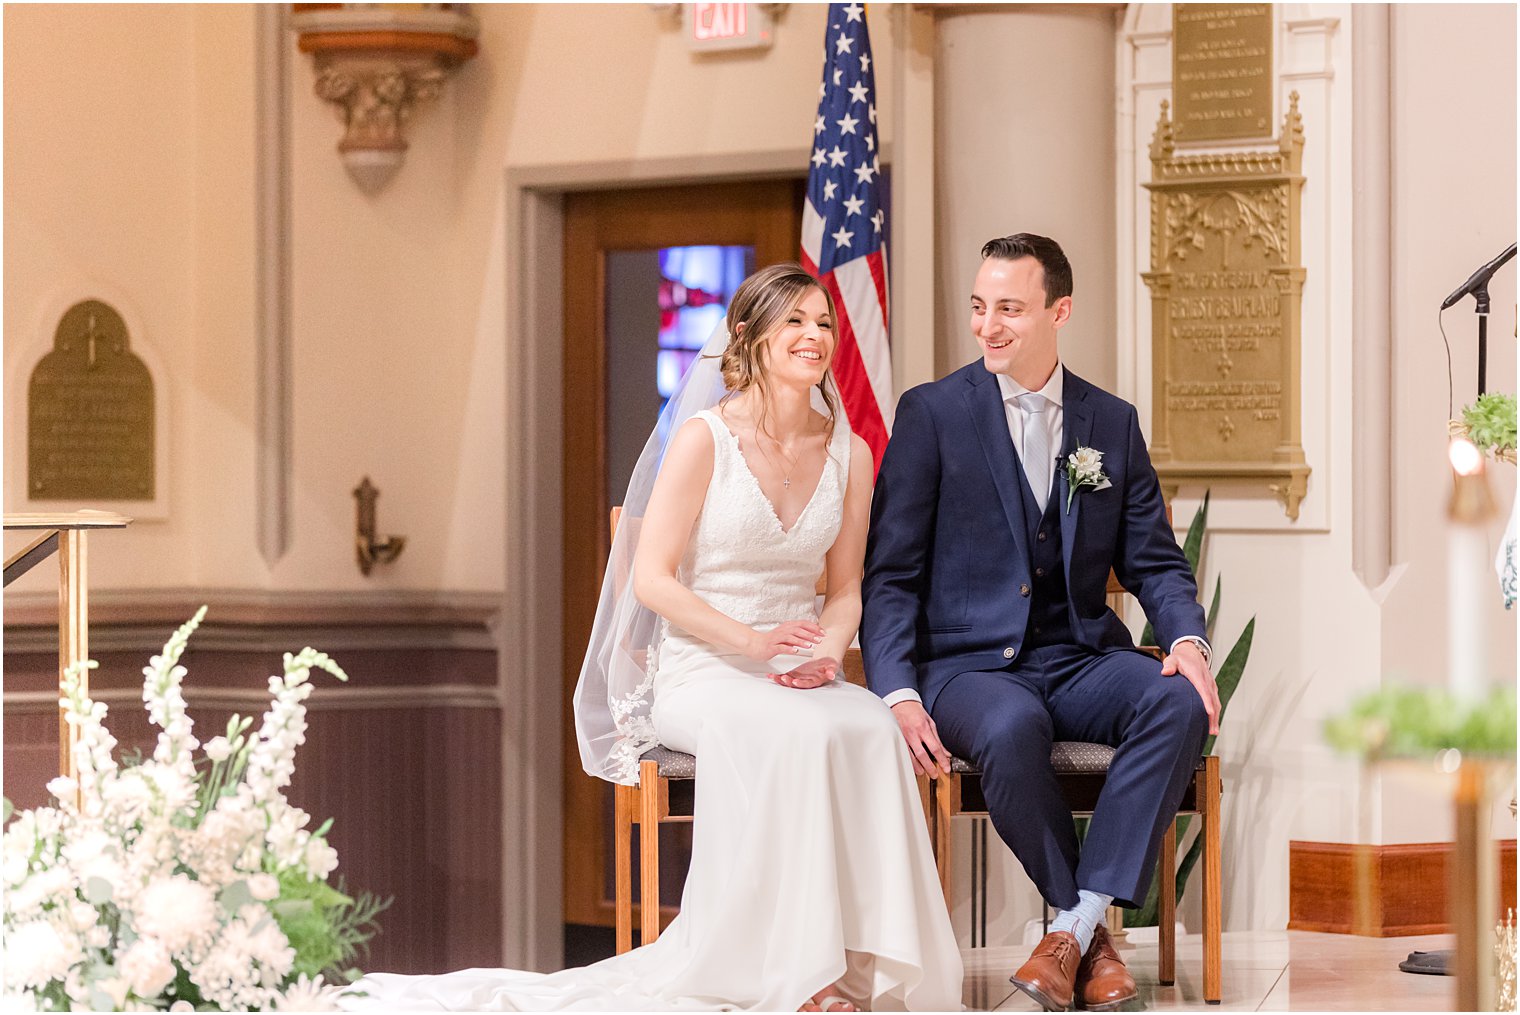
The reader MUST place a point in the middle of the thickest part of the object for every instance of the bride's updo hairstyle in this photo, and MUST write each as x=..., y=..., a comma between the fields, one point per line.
x=762, y=304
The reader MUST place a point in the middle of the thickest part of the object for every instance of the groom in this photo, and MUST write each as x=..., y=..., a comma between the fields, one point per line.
x=984, y=623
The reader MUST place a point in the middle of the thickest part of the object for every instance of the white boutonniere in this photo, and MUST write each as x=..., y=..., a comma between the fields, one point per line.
x=1084, y=471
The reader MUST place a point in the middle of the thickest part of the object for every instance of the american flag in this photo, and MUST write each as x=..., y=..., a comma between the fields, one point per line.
x=844, y=227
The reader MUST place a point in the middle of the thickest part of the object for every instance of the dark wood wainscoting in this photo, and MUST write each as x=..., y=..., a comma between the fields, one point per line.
x=405, y=757
x=1407, y=885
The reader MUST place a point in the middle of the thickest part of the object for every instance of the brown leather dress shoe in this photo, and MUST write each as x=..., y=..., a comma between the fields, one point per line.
x=1050, y=974
x=1103, y=984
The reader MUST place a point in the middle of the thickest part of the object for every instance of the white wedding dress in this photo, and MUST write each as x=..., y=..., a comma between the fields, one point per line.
x=810, y=860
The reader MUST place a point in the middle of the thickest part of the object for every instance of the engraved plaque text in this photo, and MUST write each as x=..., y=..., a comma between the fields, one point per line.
x=90, y=413
x=1222, y=71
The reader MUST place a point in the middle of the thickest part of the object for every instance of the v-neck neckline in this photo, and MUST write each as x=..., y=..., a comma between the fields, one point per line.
x=744, y=464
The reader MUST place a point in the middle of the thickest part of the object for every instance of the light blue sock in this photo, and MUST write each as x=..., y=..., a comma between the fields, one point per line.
x=1083, y=921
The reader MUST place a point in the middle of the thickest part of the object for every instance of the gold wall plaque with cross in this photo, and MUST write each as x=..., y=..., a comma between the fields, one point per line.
x=90, y=415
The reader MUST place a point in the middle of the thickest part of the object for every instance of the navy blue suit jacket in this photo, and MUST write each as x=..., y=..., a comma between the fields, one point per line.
x=947, y=552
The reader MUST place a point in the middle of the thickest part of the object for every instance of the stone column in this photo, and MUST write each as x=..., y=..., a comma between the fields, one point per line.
x=1025, y=128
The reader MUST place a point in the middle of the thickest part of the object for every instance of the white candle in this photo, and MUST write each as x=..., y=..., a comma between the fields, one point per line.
x=1466, y=571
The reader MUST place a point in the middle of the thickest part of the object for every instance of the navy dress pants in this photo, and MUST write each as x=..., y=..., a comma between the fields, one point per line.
x=1005, y=721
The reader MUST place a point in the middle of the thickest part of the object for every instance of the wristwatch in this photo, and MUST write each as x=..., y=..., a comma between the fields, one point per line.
x=1203, y=648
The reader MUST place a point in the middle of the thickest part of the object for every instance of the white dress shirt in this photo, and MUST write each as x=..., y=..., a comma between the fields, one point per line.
x=1055, y=420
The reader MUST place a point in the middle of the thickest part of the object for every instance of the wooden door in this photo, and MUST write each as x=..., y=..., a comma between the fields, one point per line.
x=600, y=226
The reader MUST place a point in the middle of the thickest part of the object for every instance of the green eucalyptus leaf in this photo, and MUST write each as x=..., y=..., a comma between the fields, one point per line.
x=235, y=896
x=97, y=891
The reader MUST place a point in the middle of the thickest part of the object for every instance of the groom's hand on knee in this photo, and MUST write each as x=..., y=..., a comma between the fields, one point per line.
x=1188, y=661
x=929, y=755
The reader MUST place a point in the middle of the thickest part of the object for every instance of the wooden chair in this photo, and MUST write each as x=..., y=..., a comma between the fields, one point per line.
x=1082, y=769
x=666, y=794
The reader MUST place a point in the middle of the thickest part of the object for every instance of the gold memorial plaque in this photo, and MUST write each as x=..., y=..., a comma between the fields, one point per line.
x=1226, y=291
x=1222, y=71
x=90, y=413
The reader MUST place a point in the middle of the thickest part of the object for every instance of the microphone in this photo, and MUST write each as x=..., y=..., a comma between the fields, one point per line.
x=1479, y=278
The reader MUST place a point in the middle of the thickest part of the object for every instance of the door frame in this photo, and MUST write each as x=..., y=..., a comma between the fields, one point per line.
x=529, y=672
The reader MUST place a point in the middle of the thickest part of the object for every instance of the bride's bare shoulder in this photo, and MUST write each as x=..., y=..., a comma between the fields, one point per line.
x=694, y=438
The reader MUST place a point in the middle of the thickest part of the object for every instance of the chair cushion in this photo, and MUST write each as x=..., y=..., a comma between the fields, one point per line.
x=1066, y=756
x=673, y=764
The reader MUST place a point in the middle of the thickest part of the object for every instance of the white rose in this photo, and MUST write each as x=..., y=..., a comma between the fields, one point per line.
x=177, y=911
x=147, y=967
x=263, y=887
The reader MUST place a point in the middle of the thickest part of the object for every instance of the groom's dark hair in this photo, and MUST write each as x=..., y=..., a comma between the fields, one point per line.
x=1043, y=249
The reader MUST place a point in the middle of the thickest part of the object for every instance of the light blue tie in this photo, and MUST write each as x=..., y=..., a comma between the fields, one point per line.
x=1037, y=461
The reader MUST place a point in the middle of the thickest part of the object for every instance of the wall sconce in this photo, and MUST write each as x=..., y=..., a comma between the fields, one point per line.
x=372, y=551
x=375, y=63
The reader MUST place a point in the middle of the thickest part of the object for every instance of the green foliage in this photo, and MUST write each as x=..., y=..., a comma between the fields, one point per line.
x=1416, y=722
x=1490, y=422
x=326, y=927
x=1227, y=679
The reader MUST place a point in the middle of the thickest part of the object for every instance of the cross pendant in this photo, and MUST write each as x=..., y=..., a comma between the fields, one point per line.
x=787, y=483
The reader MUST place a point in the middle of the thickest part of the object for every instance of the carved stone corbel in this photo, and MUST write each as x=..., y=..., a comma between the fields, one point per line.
x=376, y=65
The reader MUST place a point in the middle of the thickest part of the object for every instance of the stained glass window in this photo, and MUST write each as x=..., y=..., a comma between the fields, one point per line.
x=696, y=285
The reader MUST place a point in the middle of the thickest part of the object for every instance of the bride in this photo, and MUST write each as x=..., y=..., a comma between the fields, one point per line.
x=811, y=886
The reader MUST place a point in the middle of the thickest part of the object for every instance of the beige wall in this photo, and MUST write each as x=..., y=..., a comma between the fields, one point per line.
x=398, y=303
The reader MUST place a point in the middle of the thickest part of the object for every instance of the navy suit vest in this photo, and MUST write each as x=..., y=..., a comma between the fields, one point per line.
x=1049, y=615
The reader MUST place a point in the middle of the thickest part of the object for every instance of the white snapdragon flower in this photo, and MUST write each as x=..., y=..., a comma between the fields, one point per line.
x=218, y=748
x=94, y=855
x=177, y=911
x=147, y=968
x=173, y=784
x=321, y=859
x=36, y=954
x=63, y=788
x=308, y=995
x=264, y=887
x=129, y=796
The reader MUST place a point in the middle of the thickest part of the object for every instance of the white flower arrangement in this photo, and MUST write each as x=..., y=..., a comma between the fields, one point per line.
x=168, y=884
x=1084, y=470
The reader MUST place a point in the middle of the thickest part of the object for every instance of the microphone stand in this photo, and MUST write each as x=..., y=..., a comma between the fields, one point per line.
x=1480, y=300
x=1477, y=286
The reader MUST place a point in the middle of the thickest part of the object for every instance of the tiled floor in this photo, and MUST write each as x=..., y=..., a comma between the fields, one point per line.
x=1263, y=971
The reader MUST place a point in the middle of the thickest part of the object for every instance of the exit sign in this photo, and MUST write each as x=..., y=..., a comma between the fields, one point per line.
x=713, y=27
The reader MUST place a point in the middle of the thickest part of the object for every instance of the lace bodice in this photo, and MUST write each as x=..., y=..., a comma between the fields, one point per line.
x=739, y=560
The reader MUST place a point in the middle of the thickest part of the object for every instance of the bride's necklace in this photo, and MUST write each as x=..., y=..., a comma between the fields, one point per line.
x=791, y=466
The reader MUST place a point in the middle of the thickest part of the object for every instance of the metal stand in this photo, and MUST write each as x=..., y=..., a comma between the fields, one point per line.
x=65, y=535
